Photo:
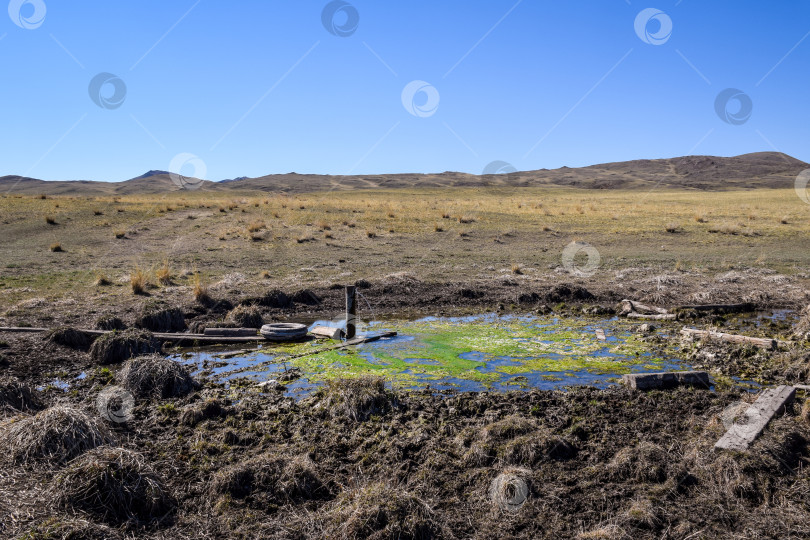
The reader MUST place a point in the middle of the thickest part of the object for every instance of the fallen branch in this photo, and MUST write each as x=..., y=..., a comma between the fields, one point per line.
x=764, y=343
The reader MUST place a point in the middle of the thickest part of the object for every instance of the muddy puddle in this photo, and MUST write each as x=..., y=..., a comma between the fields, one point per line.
x=475, y=353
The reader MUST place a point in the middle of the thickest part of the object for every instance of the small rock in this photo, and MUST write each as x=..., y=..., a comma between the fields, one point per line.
x=646, y=328
x=272, y=384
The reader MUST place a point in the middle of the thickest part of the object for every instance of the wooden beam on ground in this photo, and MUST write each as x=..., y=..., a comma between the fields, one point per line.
x=742, y=433
x=726, y=308
x=659, y=381
x=651, y=317
x=638, y=307
x=765, y=343
x=328, y=332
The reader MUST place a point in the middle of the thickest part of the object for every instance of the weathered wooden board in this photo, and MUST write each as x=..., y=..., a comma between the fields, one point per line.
x=230, y=332
x=327, y=332
x=741, y=434
x=658, y=381
x=765, y=343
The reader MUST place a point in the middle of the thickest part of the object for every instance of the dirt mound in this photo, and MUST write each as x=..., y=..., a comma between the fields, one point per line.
x=355, y=399
x=155, y=376
x=270, y=480
x=157, y=318
x=69, y=337
x=567, y=293
x=194, y=414
x=514, y=440
x=306, y=297
x=246, y=316
x=55, y=435
x=114, y=485
x=117, y=346
x=18, y=397
x=109, y=322
x=273, y=299
x=380, y=511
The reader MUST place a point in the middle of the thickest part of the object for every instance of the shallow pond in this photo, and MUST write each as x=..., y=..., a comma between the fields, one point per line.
x=485, y=352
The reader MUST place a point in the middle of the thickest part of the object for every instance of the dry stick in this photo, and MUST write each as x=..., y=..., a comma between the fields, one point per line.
x=765, y=343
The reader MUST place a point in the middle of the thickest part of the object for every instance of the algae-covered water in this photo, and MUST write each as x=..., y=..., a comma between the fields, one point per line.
x=486, y=352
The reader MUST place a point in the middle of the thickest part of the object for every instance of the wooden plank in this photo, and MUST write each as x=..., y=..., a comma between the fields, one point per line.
x=327, y=332
x=638, y=307
x=727, y=308
x=765, y=343
x=665, y=380
x=647, y=317
x=230, y=332
x=742, y=433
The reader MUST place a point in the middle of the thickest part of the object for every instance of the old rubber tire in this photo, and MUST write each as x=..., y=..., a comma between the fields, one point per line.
x=284, y=331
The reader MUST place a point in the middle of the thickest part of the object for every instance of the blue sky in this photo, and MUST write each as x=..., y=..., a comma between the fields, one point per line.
x=260, y=87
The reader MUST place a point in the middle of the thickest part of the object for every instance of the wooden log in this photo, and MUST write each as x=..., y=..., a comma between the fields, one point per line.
x=764, y=343
x=656, y=317
x=726, y=308
x=230, y=332
x=743, y=432
x=327, y=332
x=638, y=307
x=658, y=381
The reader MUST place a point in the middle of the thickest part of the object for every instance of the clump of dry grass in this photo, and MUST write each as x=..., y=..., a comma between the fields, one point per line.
x=164, y=273
x=304, y=239
x=155, y=376
x=158, y=318
x=644, y=462
x=513, y=440
x=116, y=486
x=50, y=220
x=270, y=480
x=380, y=510
x=265, y=274
x=18, y=397
x=517, y=269
x=438, y=228
x=55, y=435
x=246, y=316
x=196, y=413
x=256, y=226
x=466, y=219
x=139, y=281
x=324, y=226
x=510, y=490
x=56, y=247
x=673, y=227
x=200, y=289
x=101, y=279
x=700, y=218
x=355, y=399
x=120, y=234
x=118, y=346
x=69, y=337
x=371, y=234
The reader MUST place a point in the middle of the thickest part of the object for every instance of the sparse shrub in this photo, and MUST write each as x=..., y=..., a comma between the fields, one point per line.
x=324, y=226
x=18, y=397
x=102, y=279
x=56, y=247
x=305, y=239
x=700, y=218
x=98, y=213
x=371, y=234
x=50, y=220
x=673, y=227
x=118, y=346
x=256, y=226
x=466, y=219
x=517, y=269
x=438, y=228
x=116, y=486
x=265, y=274
x=55, y=435
x=155, y=376
x=445, y=215
x=644, y=462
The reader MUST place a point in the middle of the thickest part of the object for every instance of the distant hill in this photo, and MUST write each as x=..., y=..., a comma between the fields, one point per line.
x=707, y=173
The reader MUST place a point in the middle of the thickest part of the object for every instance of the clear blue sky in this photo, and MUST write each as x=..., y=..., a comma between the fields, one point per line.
x=553, y=83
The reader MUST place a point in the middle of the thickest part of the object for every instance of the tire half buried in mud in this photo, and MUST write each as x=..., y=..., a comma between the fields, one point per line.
x=284, y=331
